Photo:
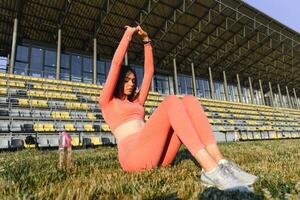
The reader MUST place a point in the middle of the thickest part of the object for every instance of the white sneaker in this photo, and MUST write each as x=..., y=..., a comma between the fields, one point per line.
x=221, y=178
x=241, y=175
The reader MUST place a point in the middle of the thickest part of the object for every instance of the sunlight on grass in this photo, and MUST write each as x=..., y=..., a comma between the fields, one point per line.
x=33, y=174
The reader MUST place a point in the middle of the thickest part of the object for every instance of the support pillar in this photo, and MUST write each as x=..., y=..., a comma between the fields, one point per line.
x=251, y=90
x=58, y=54
x=296, y=99
x=194, y=79
x=13, y=46
x=288, y=97
x=262, y=92
x=225, y=86
x=280, y=96
x=95, y=61
x=271, y=93
x=175, y=76
x=239, y=88
x=211, y=84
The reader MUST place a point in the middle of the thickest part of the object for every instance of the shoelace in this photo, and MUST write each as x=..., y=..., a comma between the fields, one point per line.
x=233, y=165
x=226, y=172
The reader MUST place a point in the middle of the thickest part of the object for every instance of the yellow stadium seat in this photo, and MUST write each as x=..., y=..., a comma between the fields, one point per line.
x=105, y=127
x=91, y=116
x=55, y=115
x=84, y=106
x=23, y=102
x=94, y=98
x=3, y=82
x=96, y=141
x=43, y=103
x=75, y=141
x=29, y=146
x=273, y=135
x=49, y=127
x=3, y=91
x=65, y=115
x=88, y=127
x=34, y=103
x=69, y=127
x=38, y=127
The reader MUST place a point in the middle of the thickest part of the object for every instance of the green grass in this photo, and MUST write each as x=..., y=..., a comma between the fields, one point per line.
x=96, y=174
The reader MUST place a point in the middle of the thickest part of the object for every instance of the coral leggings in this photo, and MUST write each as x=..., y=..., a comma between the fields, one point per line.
x=173, y=123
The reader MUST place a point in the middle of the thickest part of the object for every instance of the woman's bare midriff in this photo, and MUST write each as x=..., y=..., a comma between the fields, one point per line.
x=128, y=128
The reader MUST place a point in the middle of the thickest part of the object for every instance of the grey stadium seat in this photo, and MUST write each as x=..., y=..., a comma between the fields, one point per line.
x=14, y=113
x=59, y=126
x=36, y=114
x=79, y=127
x=46, y=114
x=15, y=127
x=54, y=142
x=43, y=142
x=4, y=143
x=52, y=104
x=4, y=126
x=25, y=113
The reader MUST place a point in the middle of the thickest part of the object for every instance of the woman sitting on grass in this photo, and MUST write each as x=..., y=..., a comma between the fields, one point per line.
x=143, y=146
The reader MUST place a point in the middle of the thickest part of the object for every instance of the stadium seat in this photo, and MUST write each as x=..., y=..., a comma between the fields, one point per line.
x=25, y=113
x=75, y=141
x=91, y=116
x=27, y=127
x=4, y=126
x=49, y=127
x=105, y=127
x=15, y=127
x=3, y=91
x=88, y=127
x=4, y=143
x=69, y=127
x=59, y=126
x=96, y=141
x=38, y=127
x=45, y=113
x=17, y=144
x=55, y=115
x=79, y=127
x=14, y=113
x=54, y=142
x=65, y=115
x=4, y=113
x=86, y=142
x=43, y=142
x=36, y=114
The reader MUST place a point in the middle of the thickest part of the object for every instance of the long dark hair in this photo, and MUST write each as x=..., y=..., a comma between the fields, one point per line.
x=118, y=92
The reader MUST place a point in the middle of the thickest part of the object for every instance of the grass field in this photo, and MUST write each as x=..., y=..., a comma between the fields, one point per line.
x=96, y=174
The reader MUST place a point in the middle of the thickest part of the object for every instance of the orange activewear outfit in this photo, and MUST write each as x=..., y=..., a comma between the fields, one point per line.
x=174, y=122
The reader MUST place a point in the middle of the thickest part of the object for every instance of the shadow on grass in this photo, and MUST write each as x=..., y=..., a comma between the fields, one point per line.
x=184, y=154
x=216, y=194
x=172, y=196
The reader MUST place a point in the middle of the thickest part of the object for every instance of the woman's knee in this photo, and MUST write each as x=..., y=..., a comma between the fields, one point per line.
x=171, y=98
x=190, y=98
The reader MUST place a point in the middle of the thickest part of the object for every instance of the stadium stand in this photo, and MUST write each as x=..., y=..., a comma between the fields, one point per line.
x=41, y=108
x=42, y=112
x=48, y=50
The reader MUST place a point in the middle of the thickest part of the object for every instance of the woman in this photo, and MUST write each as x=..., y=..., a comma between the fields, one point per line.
x=175, y=122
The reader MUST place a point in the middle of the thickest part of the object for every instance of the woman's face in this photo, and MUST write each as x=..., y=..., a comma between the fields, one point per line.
x=129, y=83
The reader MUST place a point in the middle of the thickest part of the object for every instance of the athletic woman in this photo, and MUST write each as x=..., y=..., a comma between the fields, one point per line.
x=146, y=145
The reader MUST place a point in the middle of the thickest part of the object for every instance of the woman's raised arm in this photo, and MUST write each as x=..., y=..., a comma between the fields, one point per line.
x=113, y=75
x=148, y=66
